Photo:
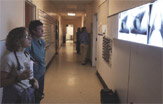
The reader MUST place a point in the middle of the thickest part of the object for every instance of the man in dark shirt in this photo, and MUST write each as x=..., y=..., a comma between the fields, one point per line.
x=84, y=40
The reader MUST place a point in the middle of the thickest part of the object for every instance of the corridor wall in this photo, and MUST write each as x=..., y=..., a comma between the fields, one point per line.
x=133, y=64
x=50, y=9
x=12, y=15
x=137, y=72
x=116, y=6
x=49, y=27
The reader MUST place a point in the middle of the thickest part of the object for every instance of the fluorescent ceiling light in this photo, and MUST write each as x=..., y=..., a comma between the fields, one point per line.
x=71, y=14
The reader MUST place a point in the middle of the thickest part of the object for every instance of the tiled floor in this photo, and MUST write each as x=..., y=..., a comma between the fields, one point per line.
x=67, y=81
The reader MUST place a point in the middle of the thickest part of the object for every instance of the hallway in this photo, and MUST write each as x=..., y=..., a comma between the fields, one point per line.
x=67, y=81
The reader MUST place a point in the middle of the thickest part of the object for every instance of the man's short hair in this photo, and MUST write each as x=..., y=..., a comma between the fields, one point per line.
x=83, y=29
x=33, y=25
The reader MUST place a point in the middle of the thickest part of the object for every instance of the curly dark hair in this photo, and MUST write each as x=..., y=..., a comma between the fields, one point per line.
x=33, y=25
x=13, y=41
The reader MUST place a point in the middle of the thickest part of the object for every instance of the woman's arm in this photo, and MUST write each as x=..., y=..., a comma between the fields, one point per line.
x=7, y=80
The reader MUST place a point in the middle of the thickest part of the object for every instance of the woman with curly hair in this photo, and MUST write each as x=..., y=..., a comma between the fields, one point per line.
x=15, y=78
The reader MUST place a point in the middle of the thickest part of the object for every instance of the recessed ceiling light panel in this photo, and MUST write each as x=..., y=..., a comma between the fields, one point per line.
x=71, y=14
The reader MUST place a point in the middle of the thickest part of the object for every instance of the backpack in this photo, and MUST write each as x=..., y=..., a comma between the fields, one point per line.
x=108, y=97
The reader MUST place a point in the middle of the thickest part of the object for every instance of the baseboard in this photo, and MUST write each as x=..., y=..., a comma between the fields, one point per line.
x=101, y=80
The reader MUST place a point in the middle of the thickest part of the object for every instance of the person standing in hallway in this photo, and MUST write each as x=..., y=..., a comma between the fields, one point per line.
x=38, y=53
x=15, y=77
x=84, y=40
x=78, y=40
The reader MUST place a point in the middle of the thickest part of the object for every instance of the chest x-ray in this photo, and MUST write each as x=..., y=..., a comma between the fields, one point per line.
x=143, y=24
x=139, y=20
x=133, y=24
x=156, y=24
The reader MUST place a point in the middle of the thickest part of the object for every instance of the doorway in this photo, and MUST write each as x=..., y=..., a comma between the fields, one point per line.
x=69, y=32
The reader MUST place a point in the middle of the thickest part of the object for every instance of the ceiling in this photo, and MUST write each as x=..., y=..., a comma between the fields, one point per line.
x=62, y=7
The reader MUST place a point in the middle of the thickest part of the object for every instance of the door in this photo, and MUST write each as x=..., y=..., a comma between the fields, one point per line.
x=30, y=13
x=94, y=44
x=57, y=36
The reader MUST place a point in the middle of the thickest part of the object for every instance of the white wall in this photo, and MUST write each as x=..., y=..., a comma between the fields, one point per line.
x=12, y=14
x=137, y=72
x=136, y=69
x=120, y=73
x=102, y=66
x=145, y=74
x=116, y=6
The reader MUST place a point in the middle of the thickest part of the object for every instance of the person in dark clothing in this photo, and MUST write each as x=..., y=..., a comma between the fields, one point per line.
x=84, y=44
x=78, y=40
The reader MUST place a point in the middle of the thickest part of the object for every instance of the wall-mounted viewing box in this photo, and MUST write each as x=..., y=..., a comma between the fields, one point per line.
x=143, y=24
